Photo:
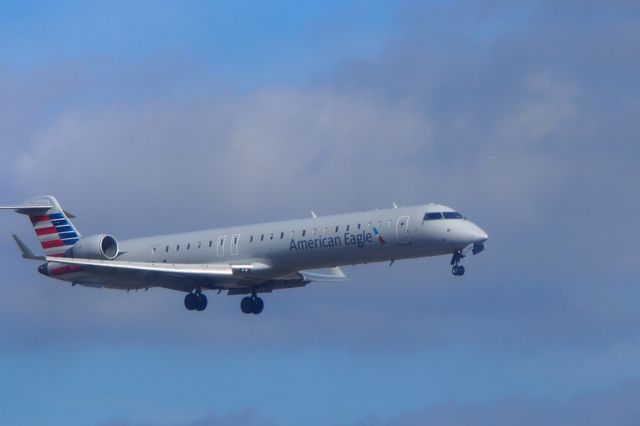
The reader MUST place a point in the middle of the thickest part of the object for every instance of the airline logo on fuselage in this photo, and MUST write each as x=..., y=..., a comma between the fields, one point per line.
x=347, y=239
x=379, y=236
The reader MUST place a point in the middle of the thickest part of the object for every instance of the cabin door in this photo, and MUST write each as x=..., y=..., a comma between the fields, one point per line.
x=221, y=239
x=235, y=238
x=402, y=230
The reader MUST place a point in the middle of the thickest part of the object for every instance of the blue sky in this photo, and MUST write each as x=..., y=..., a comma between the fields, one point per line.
x=154, y=117
x=286, y=41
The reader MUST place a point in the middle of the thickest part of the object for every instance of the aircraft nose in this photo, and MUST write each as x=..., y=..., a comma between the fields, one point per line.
x=478, y=238
x=475, y=234
x=479, y=235
x=467, y=232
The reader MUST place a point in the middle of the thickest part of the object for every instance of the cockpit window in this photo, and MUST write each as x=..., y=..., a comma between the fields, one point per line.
x=432, y=216
x=445, y=215
x=452, y=215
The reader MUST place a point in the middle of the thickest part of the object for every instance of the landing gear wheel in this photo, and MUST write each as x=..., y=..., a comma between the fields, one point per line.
x=246, y=305
x=258, y=305
x=251, y=305
x=191, y=301
x=457, y=270
x=201, y=304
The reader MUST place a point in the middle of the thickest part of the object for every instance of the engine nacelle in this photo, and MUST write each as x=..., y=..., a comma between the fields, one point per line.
x=101, y=246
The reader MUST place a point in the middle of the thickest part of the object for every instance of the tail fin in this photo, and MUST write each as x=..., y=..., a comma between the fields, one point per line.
x=51, y=224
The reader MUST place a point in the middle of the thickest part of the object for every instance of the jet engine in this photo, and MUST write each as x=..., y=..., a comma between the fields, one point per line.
x=101, y=246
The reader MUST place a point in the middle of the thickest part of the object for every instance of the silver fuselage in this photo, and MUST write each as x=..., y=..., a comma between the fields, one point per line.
x=287, y=247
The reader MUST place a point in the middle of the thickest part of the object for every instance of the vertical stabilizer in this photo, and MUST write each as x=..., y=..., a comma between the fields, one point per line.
x=51, y=224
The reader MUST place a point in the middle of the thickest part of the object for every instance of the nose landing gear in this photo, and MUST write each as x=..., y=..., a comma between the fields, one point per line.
x=456, y=268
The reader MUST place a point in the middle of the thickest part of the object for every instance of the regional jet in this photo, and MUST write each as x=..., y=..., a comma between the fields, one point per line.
x=246, y=260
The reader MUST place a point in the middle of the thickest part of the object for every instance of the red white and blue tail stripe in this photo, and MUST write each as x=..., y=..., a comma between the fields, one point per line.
x=55, y=232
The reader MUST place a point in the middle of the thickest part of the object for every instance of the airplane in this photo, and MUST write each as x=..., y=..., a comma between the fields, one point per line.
x=246, y=260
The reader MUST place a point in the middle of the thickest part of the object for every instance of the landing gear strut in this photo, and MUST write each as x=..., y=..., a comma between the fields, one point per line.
x=251, y=304
x=195, y=301
x=456, y=268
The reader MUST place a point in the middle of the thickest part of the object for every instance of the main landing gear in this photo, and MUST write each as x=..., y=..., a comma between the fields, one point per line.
x=251, y=304
x=457, y=269
x=195, y=301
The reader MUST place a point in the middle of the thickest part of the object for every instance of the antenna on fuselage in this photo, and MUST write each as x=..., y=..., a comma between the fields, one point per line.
x=395, y=206
x=313, y=214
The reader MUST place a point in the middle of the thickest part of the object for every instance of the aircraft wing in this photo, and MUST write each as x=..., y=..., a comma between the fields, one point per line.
x=212, y=275
x=191, y=269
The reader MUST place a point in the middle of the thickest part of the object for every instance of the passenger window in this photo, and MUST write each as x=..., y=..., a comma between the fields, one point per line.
x=153, y=250
x=178, y=247
x=221, y=241
x=358, y=226
x=166, y=249
x=271, y=236
x=188, y=246
x=281, y=235
x=304, y=231
x=199, y=244
x=337, y=227
x=262, y=237
x=348, y=226
x=251, y=239
x=235, y=240
x=210, y=243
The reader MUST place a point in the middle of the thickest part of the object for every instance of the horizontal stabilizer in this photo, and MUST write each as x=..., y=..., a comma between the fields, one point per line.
x=26, y=251
x=28, y=209
x=327, y=275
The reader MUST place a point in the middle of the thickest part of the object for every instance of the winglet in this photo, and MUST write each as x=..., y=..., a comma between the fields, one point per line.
x=26, y=251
